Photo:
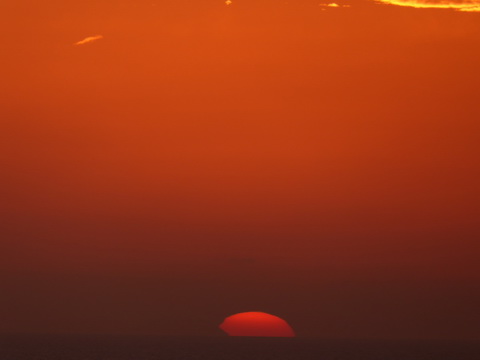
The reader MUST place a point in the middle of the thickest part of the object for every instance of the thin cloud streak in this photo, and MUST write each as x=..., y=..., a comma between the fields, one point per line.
x=89, y=39
x=467, y=5
x=332, y=5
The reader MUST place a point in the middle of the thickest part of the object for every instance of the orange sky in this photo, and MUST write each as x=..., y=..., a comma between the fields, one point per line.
x=187, y=160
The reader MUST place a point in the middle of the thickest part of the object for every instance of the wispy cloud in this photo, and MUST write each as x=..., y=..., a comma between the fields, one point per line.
x=333, y=5
x=459, y=5
x=89, y=39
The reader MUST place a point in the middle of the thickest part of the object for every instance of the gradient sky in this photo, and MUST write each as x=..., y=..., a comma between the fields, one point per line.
x=165, y=164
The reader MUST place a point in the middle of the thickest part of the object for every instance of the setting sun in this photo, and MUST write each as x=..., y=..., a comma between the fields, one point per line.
x=256, y=324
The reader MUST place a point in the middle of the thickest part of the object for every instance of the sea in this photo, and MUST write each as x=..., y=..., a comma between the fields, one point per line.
x=31, y=347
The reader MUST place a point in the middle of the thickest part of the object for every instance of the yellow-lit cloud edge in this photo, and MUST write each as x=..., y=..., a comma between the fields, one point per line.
x=468, y=6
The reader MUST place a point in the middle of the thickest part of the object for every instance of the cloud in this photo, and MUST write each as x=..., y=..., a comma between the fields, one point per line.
x=89, y=39
x=333, y=5
x=459, y=5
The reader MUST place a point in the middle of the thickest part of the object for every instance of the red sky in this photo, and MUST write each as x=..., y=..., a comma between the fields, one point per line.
x=198, y=160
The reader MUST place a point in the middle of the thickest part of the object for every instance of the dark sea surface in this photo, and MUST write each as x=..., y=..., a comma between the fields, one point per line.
x=22, y=347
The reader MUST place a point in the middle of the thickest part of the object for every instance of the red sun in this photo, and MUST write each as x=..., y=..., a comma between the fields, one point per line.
x=256, y=324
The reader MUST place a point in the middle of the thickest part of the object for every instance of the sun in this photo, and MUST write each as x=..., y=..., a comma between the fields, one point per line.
x=256, y=324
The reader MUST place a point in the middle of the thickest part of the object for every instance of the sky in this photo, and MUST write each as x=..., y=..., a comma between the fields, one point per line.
x=166, y=164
